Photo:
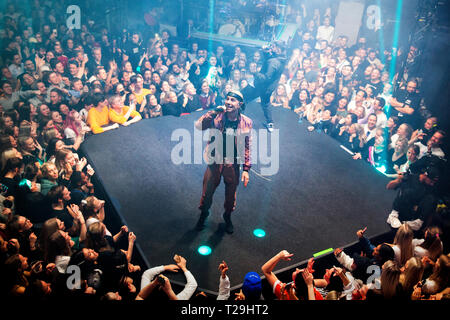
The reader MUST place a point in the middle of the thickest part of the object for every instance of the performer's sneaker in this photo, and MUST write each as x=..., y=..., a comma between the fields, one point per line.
x=201, y=221
x=270, y=127
x=228, y=224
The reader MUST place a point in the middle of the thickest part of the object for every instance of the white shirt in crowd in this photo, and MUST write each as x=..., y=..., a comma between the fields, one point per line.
x=438, y=152
x=189, y=288
x=325, y=33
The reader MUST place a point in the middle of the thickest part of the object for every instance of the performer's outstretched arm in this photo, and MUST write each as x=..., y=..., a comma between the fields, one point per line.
x=206, y=121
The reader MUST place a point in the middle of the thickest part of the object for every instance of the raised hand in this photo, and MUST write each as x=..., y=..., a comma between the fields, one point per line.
x=239, y=296
x=75, y=212
x=285, y=255
x=357, y=156
x=81, y=164
x=33, y=239
x=50, y=267
x=310, y=265
x=181, y=262
x=223, y=268
x=360, y=233
x=308, y=277
x=131, y=237
x=328, y=274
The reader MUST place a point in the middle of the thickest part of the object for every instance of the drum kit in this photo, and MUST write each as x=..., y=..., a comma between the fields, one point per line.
x=272, y=20
x=269, y=16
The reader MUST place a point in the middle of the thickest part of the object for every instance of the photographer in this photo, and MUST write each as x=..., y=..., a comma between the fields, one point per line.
x=151, y=279
x=416, y=199
x=430, y=147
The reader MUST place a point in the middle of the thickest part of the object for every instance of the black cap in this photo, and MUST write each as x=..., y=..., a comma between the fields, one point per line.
x=433, y=173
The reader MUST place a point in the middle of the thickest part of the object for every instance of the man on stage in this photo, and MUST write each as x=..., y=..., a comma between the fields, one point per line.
x=228, y=147
x=267, y=79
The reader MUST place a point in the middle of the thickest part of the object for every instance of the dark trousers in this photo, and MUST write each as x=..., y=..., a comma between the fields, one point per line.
x=211, y=181
x=265, y=105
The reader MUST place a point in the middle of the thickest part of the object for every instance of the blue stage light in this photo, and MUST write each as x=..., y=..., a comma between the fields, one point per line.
x=381, y=168
x=204, y=250
x=259, y=233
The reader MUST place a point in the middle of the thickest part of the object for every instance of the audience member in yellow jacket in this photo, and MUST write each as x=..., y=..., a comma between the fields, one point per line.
x=98, y=117
x=118, y=113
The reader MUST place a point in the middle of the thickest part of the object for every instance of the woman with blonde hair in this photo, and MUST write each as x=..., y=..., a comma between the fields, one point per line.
x=396, y=157
x=64, y=157
x=66, y=162
x=49, y=177
x=412, y=274
x=403, y=244
x=390, y=280
x=389, y=286
x=9, y=154
x=313, y=110
x=362, y=137
x=94, y=211
x=49, y=134
x=403, y=131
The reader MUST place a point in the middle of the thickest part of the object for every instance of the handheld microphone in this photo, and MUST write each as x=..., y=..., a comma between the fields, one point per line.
x=219, y=109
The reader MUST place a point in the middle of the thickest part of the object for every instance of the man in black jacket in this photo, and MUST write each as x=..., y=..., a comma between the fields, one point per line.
x=267, y=80
x=416, y=199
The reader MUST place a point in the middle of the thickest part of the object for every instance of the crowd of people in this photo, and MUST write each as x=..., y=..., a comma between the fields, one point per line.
x=60, y=85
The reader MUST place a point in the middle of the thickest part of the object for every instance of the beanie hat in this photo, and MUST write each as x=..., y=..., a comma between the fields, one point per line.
x=251, y=287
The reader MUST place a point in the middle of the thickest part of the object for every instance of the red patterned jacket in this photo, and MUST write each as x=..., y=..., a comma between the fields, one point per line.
x=214, y=120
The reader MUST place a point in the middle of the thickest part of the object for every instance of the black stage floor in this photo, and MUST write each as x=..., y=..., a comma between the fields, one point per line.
x=318, y=199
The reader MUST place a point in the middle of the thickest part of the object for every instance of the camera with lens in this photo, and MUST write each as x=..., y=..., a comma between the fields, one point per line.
x=7, y=203
x=161, y=280
x=94, y=279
